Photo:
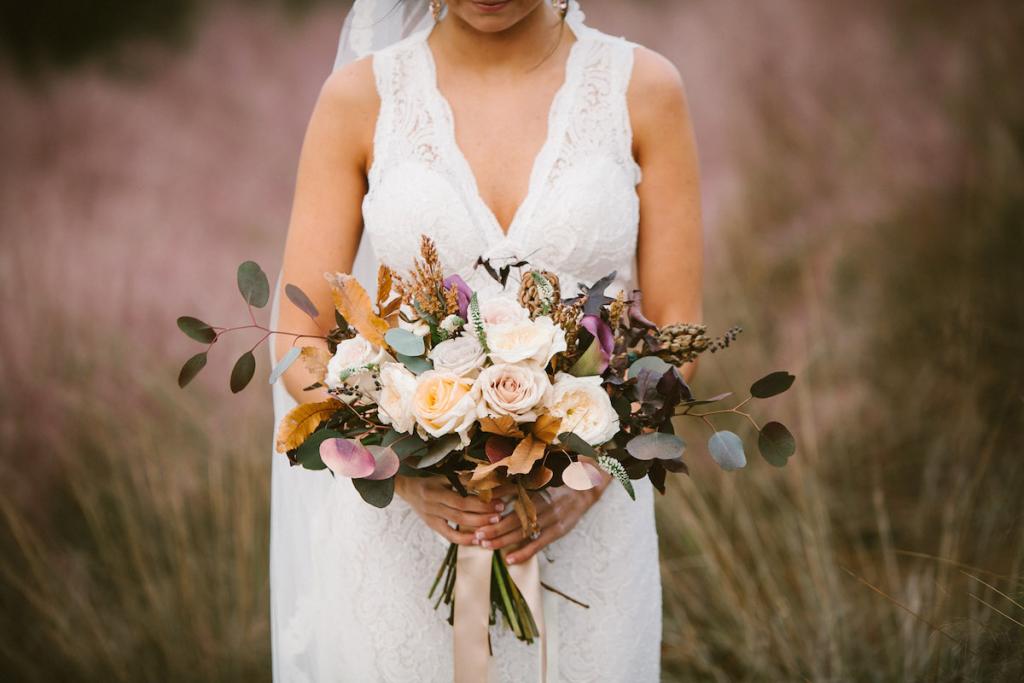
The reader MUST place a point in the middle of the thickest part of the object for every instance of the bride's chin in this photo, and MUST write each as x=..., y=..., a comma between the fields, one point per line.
x=490, y=16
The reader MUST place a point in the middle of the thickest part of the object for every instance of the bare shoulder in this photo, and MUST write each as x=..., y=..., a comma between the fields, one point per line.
x=656, y=94
x=351, y=89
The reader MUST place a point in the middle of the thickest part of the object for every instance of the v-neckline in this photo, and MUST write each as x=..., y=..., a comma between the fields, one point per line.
x=540, y=160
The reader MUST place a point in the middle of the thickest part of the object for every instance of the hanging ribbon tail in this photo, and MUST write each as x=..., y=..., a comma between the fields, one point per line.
x=527, y=577
x=473, y=610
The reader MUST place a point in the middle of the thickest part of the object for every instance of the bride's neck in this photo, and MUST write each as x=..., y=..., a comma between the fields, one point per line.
x=516, y=48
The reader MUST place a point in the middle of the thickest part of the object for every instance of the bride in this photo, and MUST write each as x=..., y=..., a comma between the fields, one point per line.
x=503, y=129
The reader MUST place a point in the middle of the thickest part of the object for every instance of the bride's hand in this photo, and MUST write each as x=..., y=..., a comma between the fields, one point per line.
x=558, y=510
x=437, y=504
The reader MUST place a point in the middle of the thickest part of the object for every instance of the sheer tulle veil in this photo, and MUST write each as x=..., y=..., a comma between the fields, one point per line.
x=298, y=584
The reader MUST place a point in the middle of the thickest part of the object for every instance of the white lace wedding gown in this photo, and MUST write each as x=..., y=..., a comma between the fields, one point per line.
x=349, y=582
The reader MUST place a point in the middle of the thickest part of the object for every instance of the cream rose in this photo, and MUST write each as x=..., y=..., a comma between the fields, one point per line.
x=349, y=365
x=445, y=403
x=502, y=309
x=461, y=355
x=525, y=340
x=584, y=408
x=394, y=403
x=513, y=390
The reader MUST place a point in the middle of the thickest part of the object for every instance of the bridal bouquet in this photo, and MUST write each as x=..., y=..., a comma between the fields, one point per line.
x=528, y=388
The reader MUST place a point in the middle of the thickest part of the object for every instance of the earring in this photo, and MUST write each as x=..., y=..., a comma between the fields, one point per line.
x=561, y=6
x=435, y=9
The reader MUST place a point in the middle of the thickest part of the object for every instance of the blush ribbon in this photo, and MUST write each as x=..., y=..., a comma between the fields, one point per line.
x=473, y=608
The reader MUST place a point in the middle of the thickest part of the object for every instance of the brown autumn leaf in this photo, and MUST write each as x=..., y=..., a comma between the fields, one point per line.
x=383, y=285
x=527, y=512
x=529, y=451
x=392, y=308
x=546, y=428
x=316, y=359
x=504, y=425
x=539, y=477
x=303, y=419
x=354, y=304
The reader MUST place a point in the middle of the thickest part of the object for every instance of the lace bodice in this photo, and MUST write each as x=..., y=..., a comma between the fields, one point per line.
x=349, y=581
x=580, y=214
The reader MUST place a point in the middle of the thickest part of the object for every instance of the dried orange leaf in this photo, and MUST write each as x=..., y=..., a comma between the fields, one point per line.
x=529, y=451
x=354, y=304
x=383, y=285
x=502, y=426
x=538, y=478
x=302, y=421
x=316, y=359
x=546, y=428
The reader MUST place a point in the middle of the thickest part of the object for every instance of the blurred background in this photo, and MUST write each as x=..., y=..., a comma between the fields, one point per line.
x=862, y=168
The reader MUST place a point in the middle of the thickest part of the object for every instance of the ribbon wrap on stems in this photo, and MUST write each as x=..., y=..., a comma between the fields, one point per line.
x=473, y=609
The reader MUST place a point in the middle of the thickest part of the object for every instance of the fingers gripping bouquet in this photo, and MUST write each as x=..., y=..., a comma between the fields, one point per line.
x=521, y=389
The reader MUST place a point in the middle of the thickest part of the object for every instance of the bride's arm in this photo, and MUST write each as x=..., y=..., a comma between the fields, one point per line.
x=326, y=218
x=670, y=262
x=669, y=259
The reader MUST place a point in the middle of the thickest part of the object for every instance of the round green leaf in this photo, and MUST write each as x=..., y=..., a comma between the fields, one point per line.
x=772, y=385
x=405, y=342
x=308, y=454
x=253, y=284
x=653, y=363
x=727, y=450
x=439, y=450
x=241, y=374
x=415, y=364
x=656, y=446
x=576, y=444
x=776, y=443
x=301, y=301
x=191, y=368
x=285, y=363
x=196, y=329
x=376, y=492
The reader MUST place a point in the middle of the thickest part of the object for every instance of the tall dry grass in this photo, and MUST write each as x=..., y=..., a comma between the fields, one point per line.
x=865, y=217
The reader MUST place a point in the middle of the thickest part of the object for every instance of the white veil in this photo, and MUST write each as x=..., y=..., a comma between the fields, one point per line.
x=297, y=495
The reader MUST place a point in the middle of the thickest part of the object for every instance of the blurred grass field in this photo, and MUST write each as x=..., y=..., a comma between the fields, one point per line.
x=865, y=215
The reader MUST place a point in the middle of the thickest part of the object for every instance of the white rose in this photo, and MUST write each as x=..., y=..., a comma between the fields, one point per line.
x=349, y=364
x=513, y=390
x=525, y=340
x=394, y=404
x=584, y=408
x=461, y=355
x=445, y=403
x=501, y=309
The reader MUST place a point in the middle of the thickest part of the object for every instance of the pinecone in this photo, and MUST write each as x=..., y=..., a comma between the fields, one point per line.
x=536, y=296
x=682, y=342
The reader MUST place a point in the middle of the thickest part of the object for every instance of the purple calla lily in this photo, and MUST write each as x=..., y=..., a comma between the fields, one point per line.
x=603, y=335
x=464, y=293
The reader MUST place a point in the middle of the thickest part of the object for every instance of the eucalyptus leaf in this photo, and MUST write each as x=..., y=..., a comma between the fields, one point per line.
x=415, y=364
x=727, y=450
x=196, y=329
x=408, y=445
x=285, y=363
x=308, y=454
x=191, y=368
x=656, y=446
x=652, y=363
x=776, y=443
x=241, y=374
x=439, y=450
x=705, y=401
x=301, y=301
x=405, y=342
x=376, y=492
x=253, y=284
x=772, y=384
x=576, y=444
